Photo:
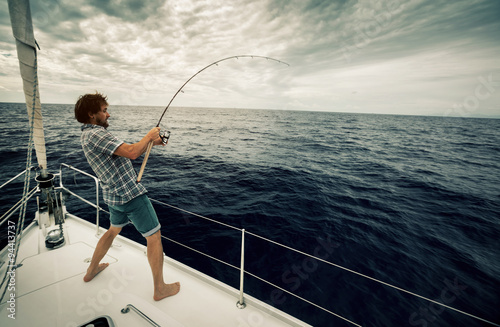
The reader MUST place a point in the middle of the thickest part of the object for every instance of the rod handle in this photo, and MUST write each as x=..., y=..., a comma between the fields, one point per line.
x=143, y=166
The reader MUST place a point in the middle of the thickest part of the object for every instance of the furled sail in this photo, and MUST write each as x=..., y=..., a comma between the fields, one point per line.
x=22, y=28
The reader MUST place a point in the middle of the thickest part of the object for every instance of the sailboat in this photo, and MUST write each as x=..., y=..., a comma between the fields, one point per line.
x=43, y=264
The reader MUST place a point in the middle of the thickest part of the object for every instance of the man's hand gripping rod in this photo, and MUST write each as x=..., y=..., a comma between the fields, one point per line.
x=164, y=138
x=150, y=145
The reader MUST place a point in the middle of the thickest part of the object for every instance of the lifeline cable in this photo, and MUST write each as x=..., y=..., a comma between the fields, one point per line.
x=312, y=257
x=150, y=145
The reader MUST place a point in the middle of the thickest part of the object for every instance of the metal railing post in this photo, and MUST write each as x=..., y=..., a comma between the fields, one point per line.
x=241, y=303
x=97, y=204
x=96, y=180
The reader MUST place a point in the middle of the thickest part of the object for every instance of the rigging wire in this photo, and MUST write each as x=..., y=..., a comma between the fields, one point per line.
x=27, y=178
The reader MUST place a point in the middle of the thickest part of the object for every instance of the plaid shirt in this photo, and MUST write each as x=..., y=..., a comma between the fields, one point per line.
x=117, y=176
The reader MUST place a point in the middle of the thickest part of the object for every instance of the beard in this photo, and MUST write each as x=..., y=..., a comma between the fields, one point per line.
x=103, y=123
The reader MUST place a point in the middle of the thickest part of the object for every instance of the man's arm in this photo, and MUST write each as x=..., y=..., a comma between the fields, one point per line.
x=134, y=151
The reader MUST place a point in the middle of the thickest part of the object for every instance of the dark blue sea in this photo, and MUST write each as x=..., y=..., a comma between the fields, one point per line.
x=409, y=200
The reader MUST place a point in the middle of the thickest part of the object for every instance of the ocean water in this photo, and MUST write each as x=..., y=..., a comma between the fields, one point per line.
x=413, y=201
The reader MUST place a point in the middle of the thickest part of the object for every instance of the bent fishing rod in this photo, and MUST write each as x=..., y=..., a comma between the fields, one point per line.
x=164, y=136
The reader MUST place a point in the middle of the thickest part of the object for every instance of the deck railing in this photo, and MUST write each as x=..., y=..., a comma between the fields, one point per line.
x=34, y=190
x=96, y=181
x=241, y=300
x=241, y=268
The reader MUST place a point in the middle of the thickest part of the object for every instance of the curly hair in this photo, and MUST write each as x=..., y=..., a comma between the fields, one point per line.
x=89, y=103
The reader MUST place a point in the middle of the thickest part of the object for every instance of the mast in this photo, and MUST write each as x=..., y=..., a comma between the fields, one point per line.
x=22, y=28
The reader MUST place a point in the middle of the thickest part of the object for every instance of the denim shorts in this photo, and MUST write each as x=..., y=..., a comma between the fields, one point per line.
x=139, y=211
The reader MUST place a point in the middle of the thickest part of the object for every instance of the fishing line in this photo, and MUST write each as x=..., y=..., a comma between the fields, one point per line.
x=166, y=134
x=206, y=67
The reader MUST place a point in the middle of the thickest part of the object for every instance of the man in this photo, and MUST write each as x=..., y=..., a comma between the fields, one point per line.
x=110, y=159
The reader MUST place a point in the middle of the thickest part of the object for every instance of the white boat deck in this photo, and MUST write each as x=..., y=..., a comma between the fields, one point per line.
x=49, y=288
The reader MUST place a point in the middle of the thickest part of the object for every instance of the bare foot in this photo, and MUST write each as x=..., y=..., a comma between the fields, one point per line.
x=91, y=274
x=166, y=291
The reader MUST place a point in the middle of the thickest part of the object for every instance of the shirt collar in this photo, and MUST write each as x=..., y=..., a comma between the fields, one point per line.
x=87, y=126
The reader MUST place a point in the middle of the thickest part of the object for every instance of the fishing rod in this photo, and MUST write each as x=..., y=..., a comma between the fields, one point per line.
x=165, y=135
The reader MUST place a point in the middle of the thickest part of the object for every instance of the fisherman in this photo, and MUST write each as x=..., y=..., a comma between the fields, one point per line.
x=110, y=159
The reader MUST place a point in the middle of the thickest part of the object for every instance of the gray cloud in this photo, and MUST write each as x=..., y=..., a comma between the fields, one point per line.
x=376, y=56
x=128, y=10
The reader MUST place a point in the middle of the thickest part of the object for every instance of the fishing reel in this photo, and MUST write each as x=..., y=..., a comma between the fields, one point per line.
x=164, y=135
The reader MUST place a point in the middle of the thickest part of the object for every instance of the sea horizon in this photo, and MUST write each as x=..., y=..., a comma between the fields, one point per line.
x=473, y=116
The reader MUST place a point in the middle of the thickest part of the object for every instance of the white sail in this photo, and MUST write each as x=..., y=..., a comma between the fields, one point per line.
x=22, y=28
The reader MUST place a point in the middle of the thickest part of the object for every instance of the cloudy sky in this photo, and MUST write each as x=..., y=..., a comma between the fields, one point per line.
x=422, y=57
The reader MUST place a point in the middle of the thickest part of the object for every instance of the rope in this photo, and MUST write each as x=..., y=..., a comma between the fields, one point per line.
x=27, y=178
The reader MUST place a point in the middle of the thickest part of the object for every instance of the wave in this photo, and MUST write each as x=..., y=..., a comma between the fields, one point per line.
x=410, y=200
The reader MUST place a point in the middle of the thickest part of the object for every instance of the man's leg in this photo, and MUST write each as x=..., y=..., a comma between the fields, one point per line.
x=100, y=251
x=155, y=258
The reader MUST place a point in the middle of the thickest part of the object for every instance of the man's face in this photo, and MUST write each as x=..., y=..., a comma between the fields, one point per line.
x=101, y=117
